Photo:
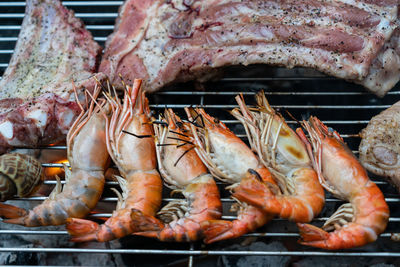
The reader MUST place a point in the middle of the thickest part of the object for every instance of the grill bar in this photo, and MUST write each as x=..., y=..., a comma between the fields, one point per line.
x=114, y=199
x=69, y=3
x=61, y=232
x=14, y=39
x=233, y=93
x=203, y=252
x=162, y=106
x=78, y=15
x=53, y=182
x=89, y=27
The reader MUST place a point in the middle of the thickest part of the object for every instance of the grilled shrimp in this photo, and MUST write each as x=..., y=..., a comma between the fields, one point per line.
x=366, y=215
x=88, y=158
x=131, y=146
x=182, y=171
x=229, y=160
x=282, y=151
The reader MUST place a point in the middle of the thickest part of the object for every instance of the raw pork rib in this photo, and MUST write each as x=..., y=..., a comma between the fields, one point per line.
x=178, y=40
x=37, y=105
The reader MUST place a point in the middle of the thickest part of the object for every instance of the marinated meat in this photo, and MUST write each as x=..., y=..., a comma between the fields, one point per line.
x=37, y=101
x=380, y=146
x=385, y=69
x=178, y=40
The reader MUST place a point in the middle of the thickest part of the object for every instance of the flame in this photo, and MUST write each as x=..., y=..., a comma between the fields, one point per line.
x=52, y=171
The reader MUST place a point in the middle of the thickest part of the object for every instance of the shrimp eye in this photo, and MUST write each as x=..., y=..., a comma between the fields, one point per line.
x=256, y=174
x=216, y=120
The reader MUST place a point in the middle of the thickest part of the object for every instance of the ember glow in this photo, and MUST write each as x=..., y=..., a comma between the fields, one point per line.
x=52, y=171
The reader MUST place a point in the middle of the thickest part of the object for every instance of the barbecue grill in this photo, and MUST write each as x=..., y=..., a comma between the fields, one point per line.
x=301, y=92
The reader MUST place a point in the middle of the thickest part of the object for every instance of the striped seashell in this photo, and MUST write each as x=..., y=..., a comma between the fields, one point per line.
x=20, y=175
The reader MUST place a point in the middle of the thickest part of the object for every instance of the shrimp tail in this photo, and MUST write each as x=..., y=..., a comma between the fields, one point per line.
x=145, y=223
x=150, y=234
x=11, y=212
x=82, y=230
x=310, y=234
x=17, y=220
x=216, y=230
x=353, y=235
x=249, y=219
x=187, y=231
x=253, y=192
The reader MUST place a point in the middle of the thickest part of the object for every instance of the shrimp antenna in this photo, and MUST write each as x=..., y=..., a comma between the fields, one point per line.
x=99, y=83
x=293, y=117
x=183, y=154
x=178, y=133
x=138, y=136
x=107, y=91
x=194, y=123
x=256, y=174
x=125, y=87
x=122, y=80
x=113, y=88
x=108, y=86
x=193, y=120
x=227, y=110
x=168, y=144
x=179, y=139
x=198, y=115
x=159, y=122
x=95, y=102
x=76, y=95
x=201, y=118
x=181, y=145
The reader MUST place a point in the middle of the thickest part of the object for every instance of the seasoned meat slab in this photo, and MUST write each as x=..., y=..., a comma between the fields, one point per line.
x=380, y=146
x=385, y=69
x=37, y=102
x=168, y=41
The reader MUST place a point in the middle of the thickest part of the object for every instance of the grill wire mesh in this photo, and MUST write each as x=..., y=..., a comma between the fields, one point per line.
x=343, y=106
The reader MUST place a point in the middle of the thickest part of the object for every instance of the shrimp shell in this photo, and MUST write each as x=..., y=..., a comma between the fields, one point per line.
x=230, y=160
x=131, y=145
x=88, y=157
x=182, y=171
x=283, y=152
x=365, y=216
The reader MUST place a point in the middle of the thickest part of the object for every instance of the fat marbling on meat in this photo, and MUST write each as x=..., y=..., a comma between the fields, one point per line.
x=380, y=147
x=37, y=102
x=178, y=40
x=385, y=69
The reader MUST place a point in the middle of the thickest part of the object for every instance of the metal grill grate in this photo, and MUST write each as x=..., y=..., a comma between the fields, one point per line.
x=345, y=107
